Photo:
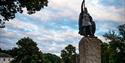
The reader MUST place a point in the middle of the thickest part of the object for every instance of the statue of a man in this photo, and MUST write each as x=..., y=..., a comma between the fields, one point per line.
x=86, y=23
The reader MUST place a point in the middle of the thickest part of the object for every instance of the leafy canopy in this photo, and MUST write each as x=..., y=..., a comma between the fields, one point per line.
x=69, y=54
x=114, y=51
x=8, y=8
x=27, y=52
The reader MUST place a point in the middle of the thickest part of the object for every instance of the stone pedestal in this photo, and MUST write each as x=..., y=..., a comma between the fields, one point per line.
x=90, y=50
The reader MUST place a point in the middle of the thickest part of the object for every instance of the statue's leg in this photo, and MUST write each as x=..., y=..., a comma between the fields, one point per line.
x=85, y=31
x=93, y=28
x=81, y=31
x=91, y=31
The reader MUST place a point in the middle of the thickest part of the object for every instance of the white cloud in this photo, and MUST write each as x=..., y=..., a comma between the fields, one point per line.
x=48, y=40
x=103, y=39
x=71, y=9
x=108, y=13
x=17, y=24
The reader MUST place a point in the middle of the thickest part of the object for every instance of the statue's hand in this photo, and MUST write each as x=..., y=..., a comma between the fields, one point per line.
x=83, y=1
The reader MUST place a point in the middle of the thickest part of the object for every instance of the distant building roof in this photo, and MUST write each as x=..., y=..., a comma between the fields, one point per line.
x=4, y=55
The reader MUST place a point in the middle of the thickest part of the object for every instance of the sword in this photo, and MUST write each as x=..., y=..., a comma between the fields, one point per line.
x=83, y=5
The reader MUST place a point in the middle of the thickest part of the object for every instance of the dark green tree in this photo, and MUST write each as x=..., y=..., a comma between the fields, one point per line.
x=28, y=52
x=0, y=50
x=69, y=54
x=8, y=8
x=12, y=52
x=115, y=50
x=105, y=53
x=51, y=58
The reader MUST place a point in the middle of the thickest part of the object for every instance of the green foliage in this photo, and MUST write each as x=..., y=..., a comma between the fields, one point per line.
x=27, y=52
x=69, y=54
x=114, y=51
x=122, y=31
x=105, y=53
x=8, y=8
x=13, y=52
x=27, y=45
x=51, y=58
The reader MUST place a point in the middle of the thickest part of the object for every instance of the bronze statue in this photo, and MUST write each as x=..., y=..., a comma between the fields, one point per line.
x=86, y=24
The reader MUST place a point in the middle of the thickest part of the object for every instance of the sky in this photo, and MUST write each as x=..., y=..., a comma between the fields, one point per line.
x=56, y=26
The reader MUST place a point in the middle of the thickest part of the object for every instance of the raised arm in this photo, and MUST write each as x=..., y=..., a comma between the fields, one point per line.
x=83, y=4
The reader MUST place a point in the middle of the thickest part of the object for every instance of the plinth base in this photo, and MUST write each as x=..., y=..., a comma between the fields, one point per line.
x=90, y=50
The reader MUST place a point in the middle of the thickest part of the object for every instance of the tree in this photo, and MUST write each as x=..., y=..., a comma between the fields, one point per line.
x=8, y=8
x=69, y=54
x=105, y=53
x=116, y=47
x=0, y=50
x=51, y=58
x=28, y=52
x=12, y=52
